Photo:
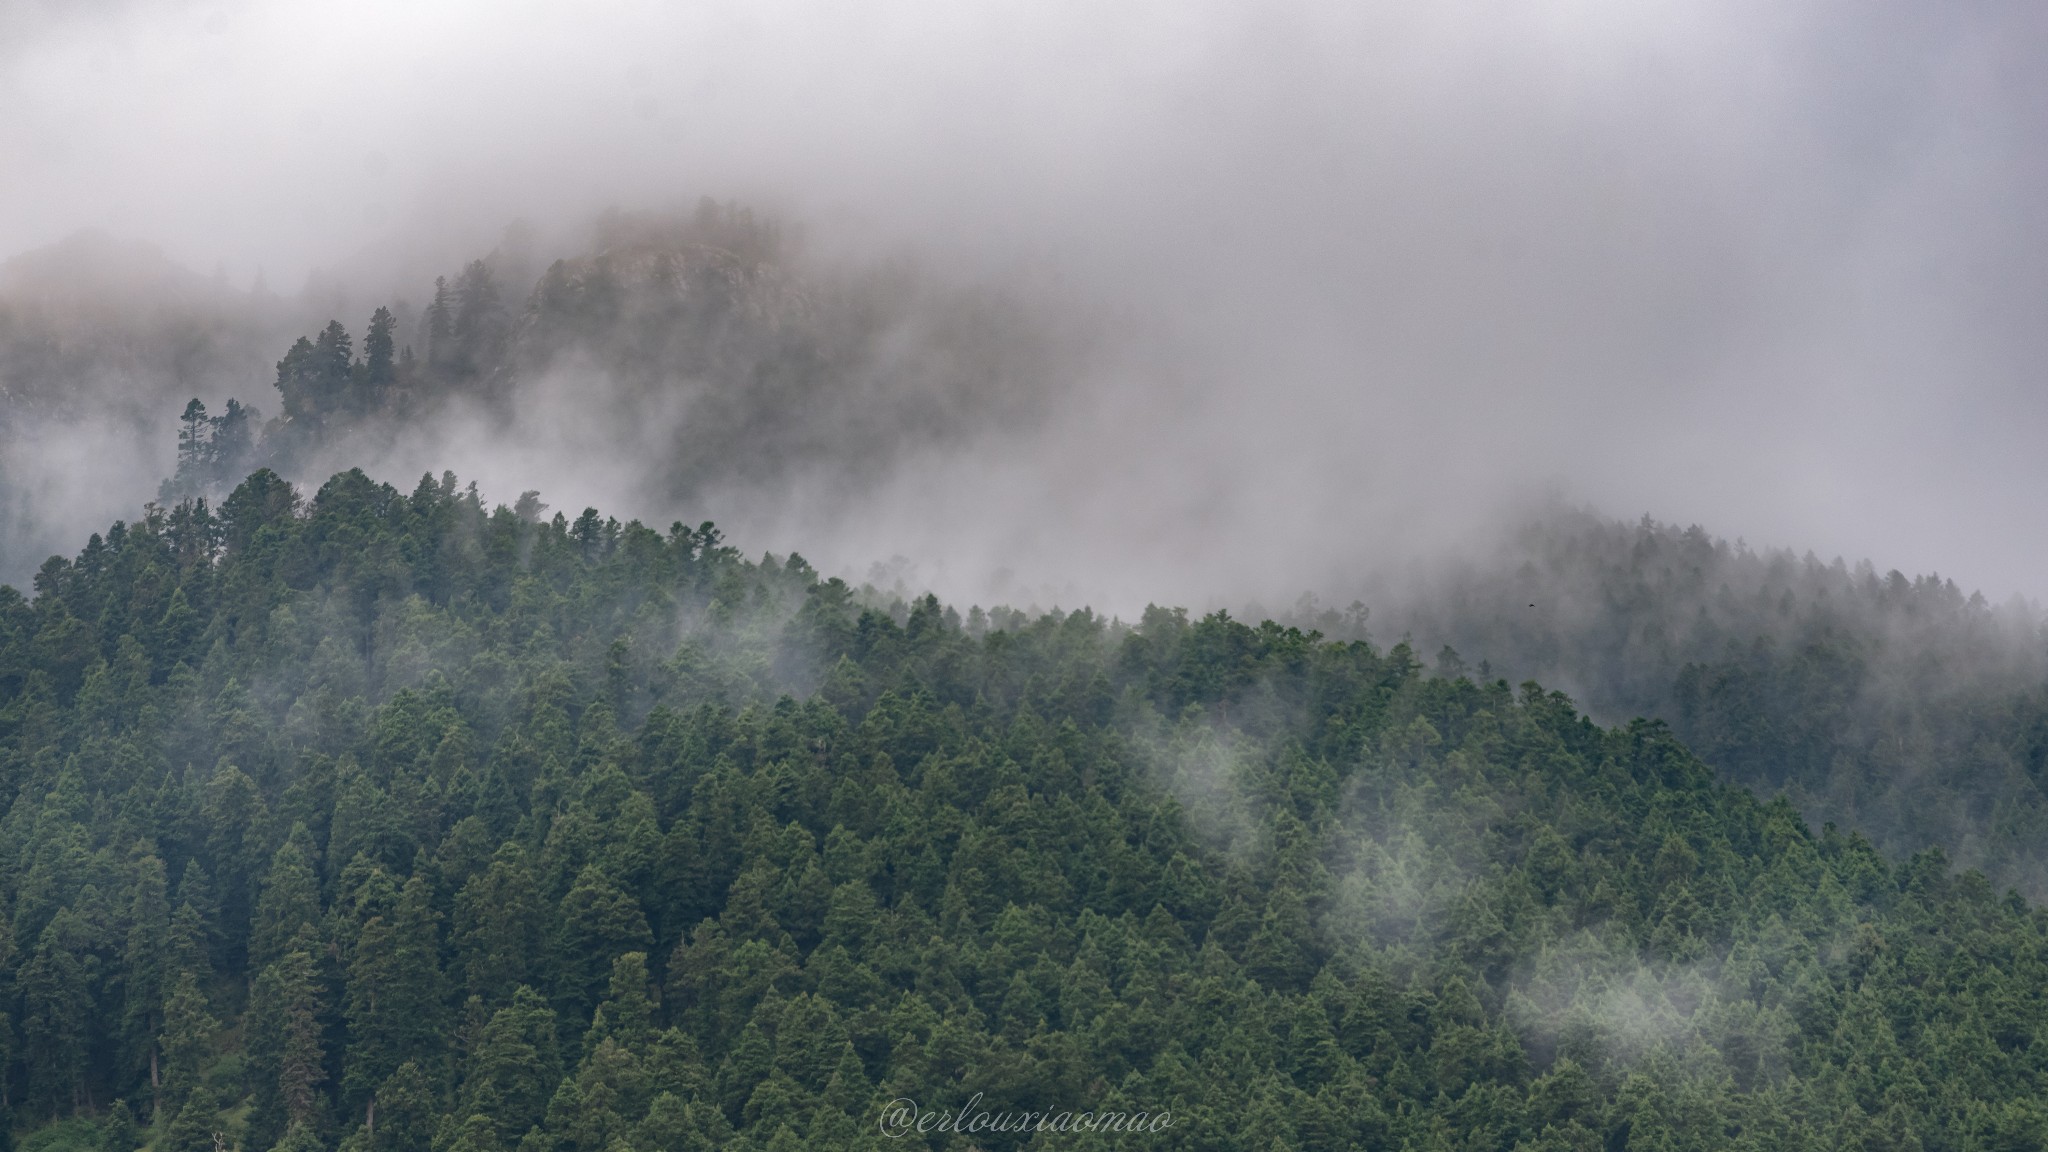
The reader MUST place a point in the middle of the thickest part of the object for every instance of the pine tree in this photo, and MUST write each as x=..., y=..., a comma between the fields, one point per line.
x=195, y=440
x=146, y=961
x=196, y=925
x=1433, y=914
x=233, y=443
x=298, y=382
x=234, y=814
x=189, y=1035
x=497, y=930
x=599, y=921
x=479, y=327
x=516, y=1066
x=394, y=995
x=379, y=376
x=57, y=1015
x=440, y=328
x=189, y=943
x=286, y=1057
x=117, y=1129
x=408, y=1108
x=627, y=1014
x=290, y=899
x=195, y=1125
x=333, y=369
x=477, y=1131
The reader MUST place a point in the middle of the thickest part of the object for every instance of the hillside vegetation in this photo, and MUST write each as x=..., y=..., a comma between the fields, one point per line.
x=397, y=822
x=705, y=343
x=1900, y=706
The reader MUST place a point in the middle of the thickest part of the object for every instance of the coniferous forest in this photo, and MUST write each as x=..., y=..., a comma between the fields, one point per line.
x=375, y=820
x=1297, y=699
x=1899, y=706
x=341, y=819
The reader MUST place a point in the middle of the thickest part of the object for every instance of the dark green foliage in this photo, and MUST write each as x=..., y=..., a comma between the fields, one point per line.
x=378, y=375
x=394, y=994
x=117, y=1130
x=286, y=1057
x=213, y=451
x=438, y=828
x=1902, y=706
x=195, y=1127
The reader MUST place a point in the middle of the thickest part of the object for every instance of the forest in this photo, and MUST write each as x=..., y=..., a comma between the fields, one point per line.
x=350, y=819
x=1900, y=706
x=708, y=331
x=636, y=577
x=706, y=344
x=375, y=820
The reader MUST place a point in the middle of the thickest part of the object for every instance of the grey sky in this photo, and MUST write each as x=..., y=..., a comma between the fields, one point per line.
x=1379, y=269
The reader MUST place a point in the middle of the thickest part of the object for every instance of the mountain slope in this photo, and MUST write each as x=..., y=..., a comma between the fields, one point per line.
x=1899, y=706
x=393, y=821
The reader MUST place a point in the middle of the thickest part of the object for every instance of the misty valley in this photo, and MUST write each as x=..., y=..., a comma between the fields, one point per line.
x=341, y=817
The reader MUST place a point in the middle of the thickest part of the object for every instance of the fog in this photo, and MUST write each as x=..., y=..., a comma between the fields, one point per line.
x=1332, y=287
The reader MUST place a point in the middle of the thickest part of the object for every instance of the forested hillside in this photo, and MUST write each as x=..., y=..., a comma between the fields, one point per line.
x=1903, y=707
x=397, y=822
x=706, y=347
x=705, y=340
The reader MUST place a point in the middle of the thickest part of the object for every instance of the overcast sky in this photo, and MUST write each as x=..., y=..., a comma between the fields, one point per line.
x=1779, y=268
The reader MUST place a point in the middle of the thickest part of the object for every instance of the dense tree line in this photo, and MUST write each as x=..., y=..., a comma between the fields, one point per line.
x=704, y=335
x=390, y=821
x=1901, y=706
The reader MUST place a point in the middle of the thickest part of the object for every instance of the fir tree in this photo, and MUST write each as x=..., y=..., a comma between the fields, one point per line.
x=379, y=378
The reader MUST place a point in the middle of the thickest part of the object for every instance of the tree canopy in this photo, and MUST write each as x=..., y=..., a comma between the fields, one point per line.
x=385, y=820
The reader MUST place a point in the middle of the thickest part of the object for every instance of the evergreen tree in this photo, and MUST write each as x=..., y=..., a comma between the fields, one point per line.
x=440, y=325
x=287, y=1061
x=498, y=926
x=316, y=376
x=146, y=963
x=233, y=443
x=190, y=1032
x=196, y=1125
x=479, y=329
x=117, y=1129
x=599, y=922
x=299, y=378
x=57, y=1013
x=627, y=1014
x=394, y=996
x=290, y=899
x=515, y=1067
x=195, y=441
x=408, y=1107
x=379, y=378
x=333, y=366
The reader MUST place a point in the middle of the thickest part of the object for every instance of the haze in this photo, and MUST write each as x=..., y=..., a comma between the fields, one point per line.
x=1352, y=281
